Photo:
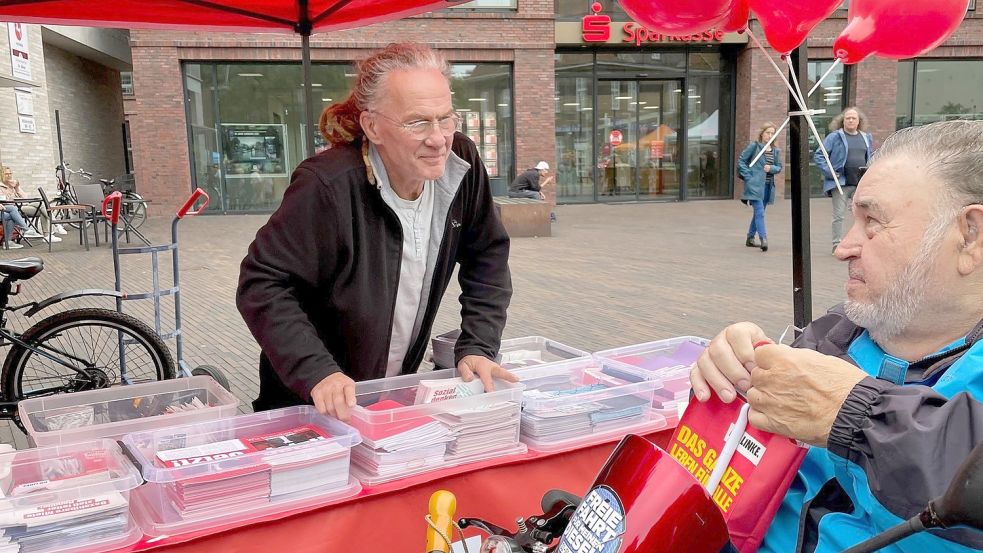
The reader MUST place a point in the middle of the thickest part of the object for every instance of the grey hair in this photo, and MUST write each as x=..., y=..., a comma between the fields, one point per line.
x=340, y=122
x=953, y=152
x=837, y=122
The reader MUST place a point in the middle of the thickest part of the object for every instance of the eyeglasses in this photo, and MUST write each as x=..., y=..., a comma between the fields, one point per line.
x=420, y=128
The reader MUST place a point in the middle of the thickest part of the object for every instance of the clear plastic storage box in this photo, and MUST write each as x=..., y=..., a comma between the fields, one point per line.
x=67, y=498
x=514, y=353
x=212, y=474
x=113, y=412
x=417, y=423
x=577, y=403
x=667, y=361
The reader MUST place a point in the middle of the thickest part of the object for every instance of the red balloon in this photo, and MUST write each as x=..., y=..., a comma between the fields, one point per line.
x=787, y=22
x=679, y=16
x=737, y=20
x=896, y=30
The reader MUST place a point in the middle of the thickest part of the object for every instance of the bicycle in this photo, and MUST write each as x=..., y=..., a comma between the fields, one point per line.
x=134, y=206
x=74, y=350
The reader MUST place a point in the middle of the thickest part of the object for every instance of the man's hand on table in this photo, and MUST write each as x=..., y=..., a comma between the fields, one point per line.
x=335, y=396
x=486, y=369
x=793, y=392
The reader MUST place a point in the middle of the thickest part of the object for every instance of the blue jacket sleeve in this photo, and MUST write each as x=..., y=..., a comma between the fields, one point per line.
x=909, y=441
x=744, y=161
x=818, y=155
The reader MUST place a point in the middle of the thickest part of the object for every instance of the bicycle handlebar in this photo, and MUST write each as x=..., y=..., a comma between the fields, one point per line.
x=67, y=168
x=117, y=200
x=195, y=196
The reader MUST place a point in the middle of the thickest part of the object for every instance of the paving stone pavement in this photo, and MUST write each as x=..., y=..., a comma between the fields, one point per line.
x=611, y=275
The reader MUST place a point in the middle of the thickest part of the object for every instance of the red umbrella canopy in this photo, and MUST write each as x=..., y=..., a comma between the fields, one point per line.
x=245, y=15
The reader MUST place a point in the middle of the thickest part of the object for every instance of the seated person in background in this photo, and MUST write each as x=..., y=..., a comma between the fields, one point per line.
x=9, y=189
x=530, y=183
x=886, y=388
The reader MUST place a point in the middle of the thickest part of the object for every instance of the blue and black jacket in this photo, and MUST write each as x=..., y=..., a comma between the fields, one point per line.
x=895, y=444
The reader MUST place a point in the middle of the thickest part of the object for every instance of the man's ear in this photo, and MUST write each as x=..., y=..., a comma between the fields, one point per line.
x=368, y=123
x=971, y=232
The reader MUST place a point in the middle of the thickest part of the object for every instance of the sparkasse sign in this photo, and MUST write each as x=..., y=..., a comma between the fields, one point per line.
x=596, y=27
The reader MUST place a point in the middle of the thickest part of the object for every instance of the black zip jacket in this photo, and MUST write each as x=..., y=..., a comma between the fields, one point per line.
x=317, y=288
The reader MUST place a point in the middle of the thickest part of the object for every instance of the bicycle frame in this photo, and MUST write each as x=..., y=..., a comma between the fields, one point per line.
x=8, y=409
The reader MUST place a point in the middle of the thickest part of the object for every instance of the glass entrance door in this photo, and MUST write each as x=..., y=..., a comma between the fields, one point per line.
x=639, y=136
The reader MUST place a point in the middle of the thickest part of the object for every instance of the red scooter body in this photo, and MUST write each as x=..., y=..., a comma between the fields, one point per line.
x=643, y=501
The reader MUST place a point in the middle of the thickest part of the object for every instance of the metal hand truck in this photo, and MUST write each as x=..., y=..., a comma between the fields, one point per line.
x=111, y=209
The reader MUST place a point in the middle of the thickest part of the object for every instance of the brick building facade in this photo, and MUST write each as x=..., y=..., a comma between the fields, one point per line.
x=523, y=39
x=545, y=75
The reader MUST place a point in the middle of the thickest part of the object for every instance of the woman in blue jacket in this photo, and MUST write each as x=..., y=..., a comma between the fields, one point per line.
x=759, y=182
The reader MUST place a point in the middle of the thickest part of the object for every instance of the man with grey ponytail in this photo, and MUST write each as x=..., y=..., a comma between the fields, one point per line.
x=344, y=281
x=887, y=388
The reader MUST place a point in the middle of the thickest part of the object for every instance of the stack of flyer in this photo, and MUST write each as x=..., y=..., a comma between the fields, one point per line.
x=574, y=403
x=285, y=468
x=411, y=424
x=56, y=498
x=577, y=416
x=224, y=472
x=397, y=447
x=668, y=361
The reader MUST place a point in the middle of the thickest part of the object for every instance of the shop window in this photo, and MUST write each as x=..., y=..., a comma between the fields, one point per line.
x=574, y=113
x=828, y=97
x=247, y=128
x=643, y=125
x=906, y=83
x=483, y=98
x=939, y=90
x=709, y=106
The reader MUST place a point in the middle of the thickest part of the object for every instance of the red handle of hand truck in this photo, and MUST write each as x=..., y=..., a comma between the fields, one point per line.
x=198, y=193
x=117, y=200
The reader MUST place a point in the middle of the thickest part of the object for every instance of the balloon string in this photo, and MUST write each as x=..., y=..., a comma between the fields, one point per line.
x=796, y=94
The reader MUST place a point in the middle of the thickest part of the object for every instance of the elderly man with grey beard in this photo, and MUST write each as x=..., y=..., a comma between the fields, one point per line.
x=886, y=388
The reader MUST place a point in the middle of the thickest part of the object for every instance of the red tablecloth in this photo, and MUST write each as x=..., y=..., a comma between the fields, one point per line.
x=389, y=518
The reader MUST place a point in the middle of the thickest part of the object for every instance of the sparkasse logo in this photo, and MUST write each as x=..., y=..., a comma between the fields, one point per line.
x=596, y=27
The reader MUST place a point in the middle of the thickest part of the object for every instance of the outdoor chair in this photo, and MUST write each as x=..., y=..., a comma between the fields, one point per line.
x=90, y=194
x=70, y=214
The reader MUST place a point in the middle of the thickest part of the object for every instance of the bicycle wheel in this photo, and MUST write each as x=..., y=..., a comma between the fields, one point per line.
x=85, y=343
x=136, y=212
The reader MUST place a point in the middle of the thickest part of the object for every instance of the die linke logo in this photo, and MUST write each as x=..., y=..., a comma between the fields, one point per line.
x=596, y=28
